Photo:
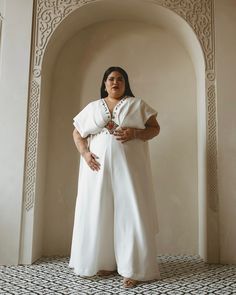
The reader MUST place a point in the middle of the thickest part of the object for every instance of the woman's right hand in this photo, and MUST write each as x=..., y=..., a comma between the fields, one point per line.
x=90, y=159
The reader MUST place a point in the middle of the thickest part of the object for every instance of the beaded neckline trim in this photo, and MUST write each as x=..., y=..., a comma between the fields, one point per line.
x=111, y=125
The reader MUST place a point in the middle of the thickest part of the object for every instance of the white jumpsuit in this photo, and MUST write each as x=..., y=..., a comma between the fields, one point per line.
x=115, y=221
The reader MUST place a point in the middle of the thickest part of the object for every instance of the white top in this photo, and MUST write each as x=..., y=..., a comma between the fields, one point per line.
x=129, y=112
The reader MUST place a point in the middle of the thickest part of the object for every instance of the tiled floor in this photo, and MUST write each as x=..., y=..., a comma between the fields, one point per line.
x=180, y=275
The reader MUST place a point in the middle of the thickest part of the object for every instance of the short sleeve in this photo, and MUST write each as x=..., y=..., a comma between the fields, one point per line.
x=147, y=111
x=83, y=121
x=90, y=120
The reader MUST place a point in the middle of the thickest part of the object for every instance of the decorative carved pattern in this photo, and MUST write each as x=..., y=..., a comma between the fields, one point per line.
x=199, y=15
x=50, y=13
x=31, y=152
x=211, y=147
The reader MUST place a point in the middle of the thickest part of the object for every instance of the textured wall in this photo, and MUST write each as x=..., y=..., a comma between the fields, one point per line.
x=226, y=89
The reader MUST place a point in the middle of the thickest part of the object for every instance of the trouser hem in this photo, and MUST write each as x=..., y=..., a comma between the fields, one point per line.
x=140, y=277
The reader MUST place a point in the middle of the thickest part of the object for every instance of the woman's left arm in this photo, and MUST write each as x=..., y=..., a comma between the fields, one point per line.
x=152, y=129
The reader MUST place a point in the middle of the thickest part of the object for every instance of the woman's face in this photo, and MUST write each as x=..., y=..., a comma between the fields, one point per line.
x=115, y=85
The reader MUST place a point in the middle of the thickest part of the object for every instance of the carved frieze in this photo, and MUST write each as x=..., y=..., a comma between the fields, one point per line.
x=199, y=15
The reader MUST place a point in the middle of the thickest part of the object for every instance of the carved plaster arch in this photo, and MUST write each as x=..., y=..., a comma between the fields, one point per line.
x=199, y=15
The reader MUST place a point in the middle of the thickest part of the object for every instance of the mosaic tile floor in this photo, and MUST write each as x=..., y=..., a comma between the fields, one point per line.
x=180, y=275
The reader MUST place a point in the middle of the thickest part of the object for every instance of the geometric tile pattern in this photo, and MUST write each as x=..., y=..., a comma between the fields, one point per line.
x=179, y=275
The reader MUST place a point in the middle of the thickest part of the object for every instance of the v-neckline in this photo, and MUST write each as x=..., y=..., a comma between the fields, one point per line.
x=112, y=113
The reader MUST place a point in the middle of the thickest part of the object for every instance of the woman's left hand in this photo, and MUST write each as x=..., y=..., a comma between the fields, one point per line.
x=124, y=134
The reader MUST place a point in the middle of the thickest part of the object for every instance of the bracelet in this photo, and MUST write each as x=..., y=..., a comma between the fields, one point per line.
x=135, y=133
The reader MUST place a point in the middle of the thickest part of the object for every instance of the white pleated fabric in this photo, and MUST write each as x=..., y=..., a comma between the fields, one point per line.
x=115, y=222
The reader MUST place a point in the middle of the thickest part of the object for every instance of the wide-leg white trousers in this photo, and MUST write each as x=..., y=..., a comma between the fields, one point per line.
x=115, y=222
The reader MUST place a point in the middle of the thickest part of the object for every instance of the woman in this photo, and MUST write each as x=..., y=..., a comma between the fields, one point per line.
x=115, y=219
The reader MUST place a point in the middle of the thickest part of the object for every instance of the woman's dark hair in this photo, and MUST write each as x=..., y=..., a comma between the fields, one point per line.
x=127, y=92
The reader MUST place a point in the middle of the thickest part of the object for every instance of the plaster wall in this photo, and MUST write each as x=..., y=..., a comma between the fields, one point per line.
x=162, y=73
x=14, y=77
x=225, y=12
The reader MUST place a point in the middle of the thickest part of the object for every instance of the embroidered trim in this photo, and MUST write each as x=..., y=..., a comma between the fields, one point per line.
x=111, y=125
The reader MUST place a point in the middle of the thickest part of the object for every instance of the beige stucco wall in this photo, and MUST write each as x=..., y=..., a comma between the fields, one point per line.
x=162, y=73
x=226, y=91
x=14, y=75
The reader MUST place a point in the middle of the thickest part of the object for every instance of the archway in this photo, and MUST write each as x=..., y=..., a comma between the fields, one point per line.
x=107, y=10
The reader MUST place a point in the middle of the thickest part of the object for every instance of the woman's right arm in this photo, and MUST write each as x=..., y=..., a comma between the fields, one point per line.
x=82, y=146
